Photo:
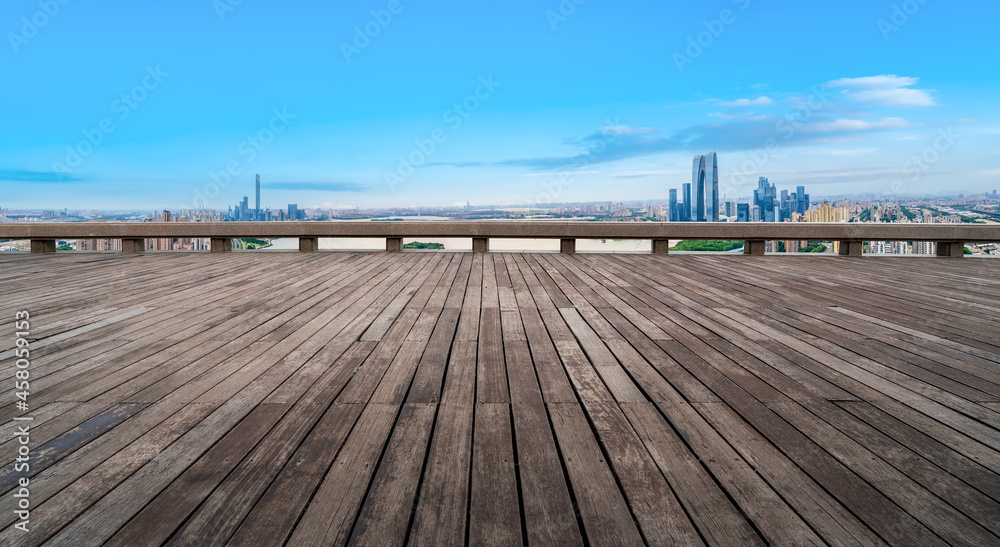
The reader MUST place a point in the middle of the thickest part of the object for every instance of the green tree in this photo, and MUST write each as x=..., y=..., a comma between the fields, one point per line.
x=422, y=245
x=707, y=245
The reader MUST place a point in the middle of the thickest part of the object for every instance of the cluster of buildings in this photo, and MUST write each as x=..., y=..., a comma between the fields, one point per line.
x=701, y=195
x=767, y=207
x=152, y=244
x=698, y=200
x=242, y=210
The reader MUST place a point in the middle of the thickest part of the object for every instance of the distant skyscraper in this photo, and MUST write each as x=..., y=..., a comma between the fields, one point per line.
x=801, y=200
x=705, y=179
x=742, y=212
x=256, y=211
x=764, y=200
x=686, y=206
x=673, y=205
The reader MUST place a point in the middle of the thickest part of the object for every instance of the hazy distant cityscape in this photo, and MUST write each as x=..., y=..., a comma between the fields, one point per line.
x=697, y=201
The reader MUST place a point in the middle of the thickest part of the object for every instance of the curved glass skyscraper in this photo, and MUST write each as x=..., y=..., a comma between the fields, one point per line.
x=705, y=187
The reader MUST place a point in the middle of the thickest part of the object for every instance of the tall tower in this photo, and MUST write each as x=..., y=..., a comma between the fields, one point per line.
x=705, y=180
x=256, y=211
x=686, y=206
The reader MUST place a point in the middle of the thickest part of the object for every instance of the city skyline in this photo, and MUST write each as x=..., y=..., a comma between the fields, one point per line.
x=373, y=106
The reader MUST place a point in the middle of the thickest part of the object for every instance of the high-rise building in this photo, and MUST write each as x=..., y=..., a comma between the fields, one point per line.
x=673, y=205
x=827, y=213
x=764, y=200
x=293, y=211
x=742, y=212
x=705, y=182
x=802, y=200
x=256, y=211
x=785, y=208
x=686, y=206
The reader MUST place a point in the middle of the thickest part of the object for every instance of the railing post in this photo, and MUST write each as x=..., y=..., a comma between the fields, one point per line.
x=753, y=247
x=221, y=245
x=567, y=246
x=43, y=245
x=393, y=244
x=308, y=244
x=951, y=249
x=661, y=246
x=480, y=245
x=133, y=245
x=850, y=247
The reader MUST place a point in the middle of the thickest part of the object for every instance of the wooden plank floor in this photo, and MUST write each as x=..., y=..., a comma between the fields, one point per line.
x=456, y=398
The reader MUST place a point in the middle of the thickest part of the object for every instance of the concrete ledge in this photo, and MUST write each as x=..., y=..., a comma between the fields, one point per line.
x=394, y=244
x=754, y=247
x=989, y=233
x=133, y=245
x=221, y=245
x=567, y=246
x=951, y=249
x=661, y=246
x=851, y=248
x=43, y=245
x=308, y=244
x=480, y=245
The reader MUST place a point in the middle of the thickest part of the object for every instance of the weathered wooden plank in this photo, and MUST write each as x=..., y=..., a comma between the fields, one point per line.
x=605, y=515
x=494, y=510
x=442, y=507
x=385, y=514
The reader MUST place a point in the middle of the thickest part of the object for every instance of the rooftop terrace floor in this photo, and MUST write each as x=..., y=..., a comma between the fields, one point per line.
x=449, y=398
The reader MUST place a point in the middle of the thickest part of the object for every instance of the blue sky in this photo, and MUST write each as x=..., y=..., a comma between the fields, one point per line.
x=117, y=104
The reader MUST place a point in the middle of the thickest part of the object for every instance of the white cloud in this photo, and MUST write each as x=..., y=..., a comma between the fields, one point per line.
x=884, y=90
x=626, y=130
x=743, y=116
x=843, y=151
x=759, y=101
x=858, y=125
x=990, y=173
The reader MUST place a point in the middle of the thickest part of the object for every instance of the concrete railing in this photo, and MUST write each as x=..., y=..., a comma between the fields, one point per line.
x=950, y=238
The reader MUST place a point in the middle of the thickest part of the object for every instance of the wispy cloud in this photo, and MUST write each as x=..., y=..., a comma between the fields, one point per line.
x=22, y=175
x=619, y=130
x=858, y=125
x=317, y=186
x=759, y=101
x=843, y=152
x=883, y=90
x=739, y=133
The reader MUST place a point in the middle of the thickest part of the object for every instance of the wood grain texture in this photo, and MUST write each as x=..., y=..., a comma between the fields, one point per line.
x=426, y=398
